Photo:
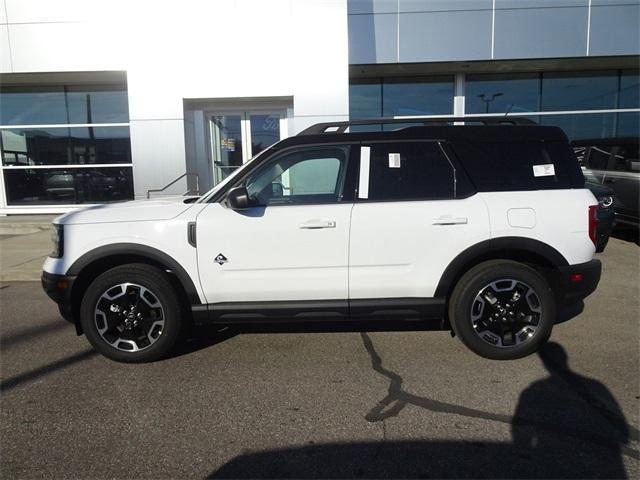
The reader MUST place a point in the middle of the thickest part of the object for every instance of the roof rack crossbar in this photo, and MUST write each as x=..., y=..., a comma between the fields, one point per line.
x=341, y=127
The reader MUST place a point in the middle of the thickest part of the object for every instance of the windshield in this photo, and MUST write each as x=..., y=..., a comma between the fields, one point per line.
x=205, y=198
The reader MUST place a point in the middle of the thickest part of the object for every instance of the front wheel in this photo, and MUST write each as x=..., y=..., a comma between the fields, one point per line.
x=502, y=309
x=131, y=313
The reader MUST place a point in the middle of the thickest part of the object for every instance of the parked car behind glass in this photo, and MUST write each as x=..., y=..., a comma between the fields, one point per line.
x=614, y=162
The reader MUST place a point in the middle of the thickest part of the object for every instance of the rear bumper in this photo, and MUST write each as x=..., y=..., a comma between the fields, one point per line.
x=576, y=282
x=58, y=288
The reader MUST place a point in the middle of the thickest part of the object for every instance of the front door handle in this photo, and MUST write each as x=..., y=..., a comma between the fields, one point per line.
x=316, y=224
x=449, y=220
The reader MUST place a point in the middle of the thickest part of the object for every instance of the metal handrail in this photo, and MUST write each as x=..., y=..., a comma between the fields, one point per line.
x=186, y=174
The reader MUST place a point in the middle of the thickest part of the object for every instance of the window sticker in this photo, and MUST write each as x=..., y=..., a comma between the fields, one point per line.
x=546, y=170
x=394, y=160
x=363, y=184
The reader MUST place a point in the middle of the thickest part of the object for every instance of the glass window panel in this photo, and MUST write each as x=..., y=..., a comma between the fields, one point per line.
x=409, y=171
x=365, y=100
x=227, y=144
x=310, y=176
x=50, y=186
x=629, y=89
x=583, y=126
x=265, y=131
x=628, y=124
x=427, y=96
x=502, y=93
x=104, y=104
x=579, y=91
x=32, y=106
x=65, y=146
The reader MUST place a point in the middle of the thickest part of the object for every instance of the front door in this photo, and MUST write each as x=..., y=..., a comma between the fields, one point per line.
x=292, y=244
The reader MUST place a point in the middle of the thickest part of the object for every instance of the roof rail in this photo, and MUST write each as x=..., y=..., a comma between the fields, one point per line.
x=341, y=127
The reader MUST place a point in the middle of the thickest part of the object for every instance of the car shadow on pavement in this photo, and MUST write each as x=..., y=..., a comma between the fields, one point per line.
x=564, y=426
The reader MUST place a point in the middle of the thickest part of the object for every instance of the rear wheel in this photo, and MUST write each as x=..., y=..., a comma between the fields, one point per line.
x=131, y=313
x=502, y=309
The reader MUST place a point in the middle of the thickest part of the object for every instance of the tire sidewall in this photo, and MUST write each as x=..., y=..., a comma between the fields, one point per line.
x=150, y=278
x=483, y=274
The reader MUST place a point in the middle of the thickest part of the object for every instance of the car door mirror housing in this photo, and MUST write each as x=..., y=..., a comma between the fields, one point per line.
x=238, y=198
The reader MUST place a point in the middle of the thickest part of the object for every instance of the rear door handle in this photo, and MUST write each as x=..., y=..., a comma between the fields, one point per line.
x=316, y=224
x=449, y=220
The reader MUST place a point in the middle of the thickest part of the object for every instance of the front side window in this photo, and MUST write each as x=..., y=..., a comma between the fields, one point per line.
x=311, y=176
x=409, y=171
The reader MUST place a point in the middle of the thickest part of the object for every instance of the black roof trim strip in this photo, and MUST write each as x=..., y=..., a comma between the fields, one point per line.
x=341, y=127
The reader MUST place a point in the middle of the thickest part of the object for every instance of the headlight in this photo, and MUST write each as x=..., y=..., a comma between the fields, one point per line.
x=606, y=201
x=57, y=238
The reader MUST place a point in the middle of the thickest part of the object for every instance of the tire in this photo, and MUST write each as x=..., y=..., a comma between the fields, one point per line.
x=502, y=310
x=122, y=333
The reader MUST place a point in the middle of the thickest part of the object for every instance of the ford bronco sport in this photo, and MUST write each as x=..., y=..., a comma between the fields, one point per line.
x=484, y=224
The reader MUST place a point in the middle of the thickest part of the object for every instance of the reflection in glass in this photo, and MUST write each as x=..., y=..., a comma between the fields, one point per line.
x=265, y=131
x=502, y=93
x=583, y=126
x=426, y=96
x=65, y=146
x=226, y=134
x=628, y=124
x=365, y=100
x=68, y=186
x=97, y=105
x=32, y=105
x=53, y=105
x=579, y=90
x=629, y=89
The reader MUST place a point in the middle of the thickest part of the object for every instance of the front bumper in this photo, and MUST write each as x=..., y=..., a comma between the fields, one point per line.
x=576, y=282
x=58, y=288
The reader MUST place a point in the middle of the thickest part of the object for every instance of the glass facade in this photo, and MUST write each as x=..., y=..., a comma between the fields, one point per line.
x=401, y=97
x=585, y=104
x=50, y=135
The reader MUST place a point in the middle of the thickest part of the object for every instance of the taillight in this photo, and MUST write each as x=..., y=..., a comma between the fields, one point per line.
x=593, y=223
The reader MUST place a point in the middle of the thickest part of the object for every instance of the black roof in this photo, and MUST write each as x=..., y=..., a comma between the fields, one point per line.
x=479, y=133
x=606, y=141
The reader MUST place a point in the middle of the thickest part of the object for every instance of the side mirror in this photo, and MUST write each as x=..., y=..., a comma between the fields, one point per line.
x=238, y=198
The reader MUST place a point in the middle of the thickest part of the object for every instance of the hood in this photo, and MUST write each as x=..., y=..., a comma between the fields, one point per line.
x=134, y=211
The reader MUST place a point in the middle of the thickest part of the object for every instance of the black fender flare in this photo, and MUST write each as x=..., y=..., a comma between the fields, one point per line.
x=140, y=250
x=495, y=248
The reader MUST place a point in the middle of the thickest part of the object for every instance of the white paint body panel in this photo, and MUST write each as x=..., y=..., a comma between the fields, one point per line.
x=169, y=236
x=270, y=257
x=397, y=251
x=561, y=219
x=365, y=250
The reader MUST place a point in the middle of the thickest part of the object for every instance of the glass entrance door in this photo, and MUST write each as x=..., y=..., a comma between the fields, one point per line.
x=238, y=136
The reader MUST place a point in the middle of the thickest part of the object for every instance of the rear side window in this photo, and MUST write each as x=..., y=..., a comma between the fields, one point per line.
x=409, y=171
x=509, y=166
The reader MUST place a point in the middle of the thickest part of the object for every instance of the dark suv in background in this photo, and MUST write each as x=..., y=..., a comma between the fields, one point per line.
x=614, y=162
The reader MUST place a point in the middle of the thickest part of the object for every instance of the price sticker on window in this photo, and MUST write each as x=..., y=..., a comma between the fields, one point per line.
x=546, y=170
x=394, y=160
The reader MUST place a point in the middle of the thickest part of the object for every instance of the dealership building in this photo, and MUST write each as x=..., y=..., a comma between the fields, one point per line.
x=111, y=100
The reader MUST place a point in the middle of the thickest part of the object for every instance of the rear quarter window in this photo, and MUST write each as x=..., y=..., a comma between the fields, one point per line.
x=509, y=166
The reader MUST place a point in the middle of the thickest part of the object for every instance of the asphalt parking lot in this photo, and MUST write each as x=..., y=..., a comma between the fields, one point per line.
x=330, y=404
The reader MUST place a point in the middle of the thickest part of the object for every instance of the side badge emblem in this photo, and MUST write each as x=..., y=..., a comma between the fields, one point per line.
x=220, y=259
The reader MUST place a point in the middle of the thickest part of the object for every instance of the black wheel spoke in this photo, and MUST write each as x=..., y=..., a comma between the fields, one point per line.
x=129, y=317
x=505, y=313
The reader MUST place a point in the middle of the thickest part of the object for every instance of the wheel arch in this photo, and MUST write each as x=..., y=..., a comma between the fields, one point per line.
x=87, y=267
x=535, y=253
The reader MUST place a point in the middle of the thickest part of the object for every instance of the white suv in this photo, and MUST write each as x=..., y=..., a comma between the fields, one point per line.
x=485, y=225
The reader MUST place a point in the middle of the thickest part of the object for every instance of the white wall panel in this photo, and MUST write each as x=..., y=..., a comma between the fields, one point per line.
x=5, y=53
x=3, y=12
x=36, y=11
x=319, y=54
x=158, y=151
x=59, y=47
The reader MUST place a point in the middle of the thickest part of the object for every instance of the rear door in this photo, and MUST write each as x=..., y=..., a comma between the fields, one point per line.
x=623, y=177
x=414, y=213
